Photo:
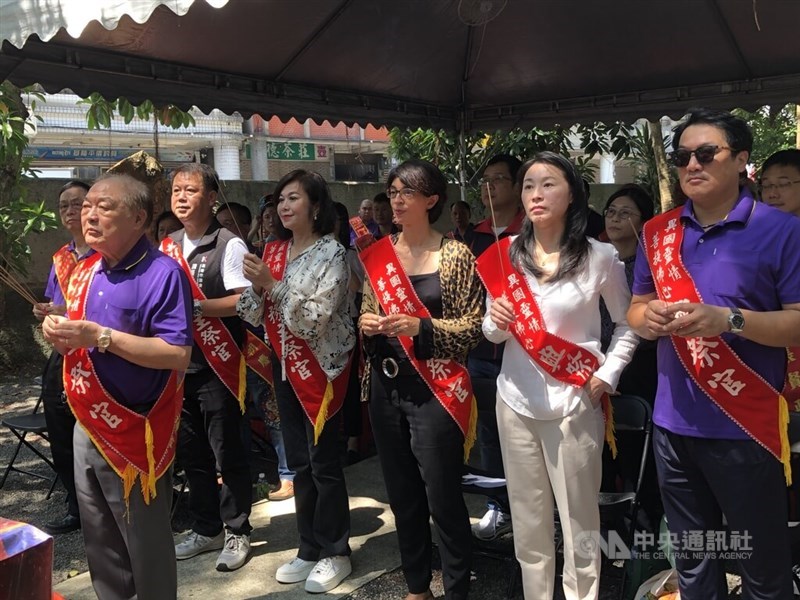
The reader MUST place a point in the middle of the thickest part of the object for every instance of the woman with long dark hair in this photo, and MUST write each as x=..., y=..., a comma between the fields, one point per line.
x=299, y=292
x=420, y=316
x=545, y=287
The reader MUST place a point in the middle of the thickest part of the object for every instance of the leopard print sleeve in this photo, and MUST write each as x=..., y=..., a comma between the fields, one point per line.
x=459, y=330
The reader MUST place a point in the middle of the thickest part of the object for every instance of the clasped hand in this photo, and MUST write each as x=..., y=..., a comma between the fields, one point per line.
x=686, y=319
x=389, y=325
x=60, y=331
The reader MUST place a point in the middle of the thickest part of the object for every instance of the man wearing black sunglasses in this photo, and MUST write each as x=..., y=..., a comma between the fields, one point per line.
x=716, y=283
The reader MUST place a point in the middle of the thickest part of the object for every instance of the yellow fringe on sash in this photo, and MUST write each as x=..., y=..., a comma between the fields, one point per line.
x=471, y=433
x=322, y=415
x=148, y=481
x=128, y=479
x=783, y=428
x=242, y=383
x=608, y=411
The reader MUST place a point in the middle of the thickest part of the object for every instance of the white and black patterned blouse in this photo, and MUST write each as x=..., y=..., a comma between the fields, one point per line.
x=313, y=304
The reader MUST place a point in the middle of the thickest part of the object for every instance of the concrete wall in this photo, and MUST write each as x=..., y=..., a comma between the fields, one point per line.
x=245, y=192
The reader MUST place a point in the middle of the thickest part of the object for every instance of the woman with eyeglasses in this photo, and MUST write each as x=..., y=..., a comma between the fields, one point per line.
x=420, y=316
x=300, y=294
x=625, y=213
x=545, y=286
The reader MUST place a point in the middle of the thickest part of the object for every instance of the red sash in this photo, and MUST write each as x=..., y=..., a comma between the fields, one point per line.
x=791, y=388
x=364, y=236
x=321, y=399
x=64, y=262
x=448, y=380
x=212, y=337
x=132, y=444
x=561, y=359
x=761, y=412
x=257, y=357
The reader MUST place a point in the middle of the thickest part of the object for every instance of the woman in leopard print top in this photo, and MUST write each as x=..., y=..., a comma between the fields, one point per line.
x=420, y=445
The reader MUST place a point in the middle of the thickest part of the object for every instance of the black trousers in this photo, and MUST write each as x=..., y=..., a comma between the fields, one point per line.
x=60, y=425
x=702, y=479
x=320, y=494
x=210, y=439
x=421, y=450
x=351, y=409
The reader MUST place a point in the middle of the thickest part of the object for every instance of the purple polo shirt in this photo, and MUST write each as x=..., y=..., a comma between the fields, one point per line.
x=145, y=294
x=53, y=291
x=751, y=261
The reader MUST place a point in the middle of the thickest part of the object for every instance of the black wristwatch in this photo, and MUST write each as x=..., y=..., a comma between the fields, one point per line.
x=735, y=321
x=197, y=309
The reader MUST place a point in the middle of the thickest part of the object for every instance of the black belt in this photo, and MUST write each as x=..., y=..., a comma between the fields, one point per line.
x=392, y=367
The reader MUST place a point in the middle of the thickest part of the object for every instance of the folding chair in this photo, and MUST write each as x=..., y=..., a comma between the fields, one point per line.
x=21, y=426
x=631, y=414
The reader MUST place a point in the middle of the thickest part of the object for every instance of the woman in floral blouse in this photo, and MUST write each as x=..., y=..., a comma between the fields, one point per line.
x=418, y=329
x=299, y=291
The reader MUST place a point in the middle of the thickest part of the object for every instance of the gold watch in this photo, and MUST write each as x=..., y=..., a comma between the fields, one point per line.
x=104, y=339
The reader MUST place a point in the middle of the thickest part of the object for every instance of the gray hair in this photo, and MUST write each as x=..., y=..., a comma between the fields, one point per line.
x=136, y=195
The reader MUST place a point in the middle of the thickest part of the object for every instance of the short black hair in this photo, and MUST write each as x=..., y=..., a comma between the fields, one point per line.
x=462, y=204
x=316, y=188
x=380, y=198
x=240, y=212
x=206, y=172
x=512, y=162
x=72, y=183
x=790, y=157
x=167, y=214
x=426, y=178
x=737, y=131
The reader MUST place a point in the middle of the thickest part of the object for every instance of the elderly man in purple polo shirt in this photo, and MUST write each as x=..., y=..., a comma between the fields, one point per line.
x=743, y=258
x=136, y=329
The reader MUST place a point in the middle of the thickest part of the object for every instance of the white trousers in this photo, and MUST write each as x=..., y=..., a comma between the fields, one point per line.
x=561, y=458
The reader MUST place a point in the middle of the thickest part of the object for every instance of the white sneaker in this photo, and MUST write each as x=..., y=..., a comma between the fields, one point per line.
x=294, y=571
x=328, y=573
x=235, y=552
x=194, y=544
x=493, y=524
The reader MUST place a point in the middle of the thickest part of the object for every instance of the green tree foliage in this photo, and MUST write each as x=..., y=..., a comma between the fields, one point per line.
x=19, y=216
x=101, y=112
x=774, y=128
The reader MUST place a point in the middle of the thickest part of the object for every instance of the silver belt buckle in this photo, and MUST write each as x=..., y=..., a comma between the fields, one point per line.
x=390, y=367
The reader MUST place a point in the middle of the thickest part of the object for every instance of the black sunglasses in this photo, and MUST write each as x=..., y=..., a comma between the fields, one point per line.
x=704, y=154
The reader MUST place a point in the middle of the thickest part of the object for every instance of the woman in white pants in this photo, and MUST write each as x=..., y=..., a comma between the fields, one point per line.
x=549, y=412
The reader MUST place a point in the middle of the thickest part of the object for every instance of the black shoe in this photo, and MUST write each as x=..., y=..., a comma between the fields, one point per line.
x=64, y=525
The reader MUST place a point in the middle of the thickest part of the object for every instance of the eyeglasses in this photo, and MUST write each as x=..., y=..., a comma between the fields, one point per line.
x=776, y=187
x=704, y=154
x=406, y=193
x=494, y=180
x=624, y=214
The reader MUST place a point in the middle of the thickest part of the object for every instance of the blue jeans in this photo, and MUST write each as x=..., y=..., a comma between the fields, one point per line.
x=276, y=438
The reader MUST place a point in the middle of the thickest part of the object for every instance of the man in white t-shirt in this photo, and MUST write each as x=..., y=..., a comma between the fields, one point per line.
x=210, y=432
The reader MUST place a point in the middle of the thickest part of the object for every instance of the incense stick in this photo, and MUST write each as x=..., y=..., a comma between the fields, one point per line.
x=494, y=230
x=8, y=278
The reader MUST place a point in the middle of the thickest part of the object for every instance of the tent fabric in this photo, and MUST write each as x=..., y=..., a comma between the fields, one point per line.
x=415, y=62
